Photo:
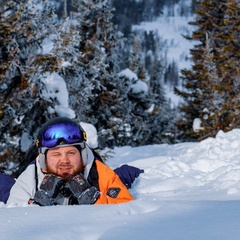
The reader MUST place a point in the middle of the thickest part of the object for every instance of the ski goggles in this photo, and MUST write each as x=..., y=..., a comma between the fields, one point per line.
x=67, y=133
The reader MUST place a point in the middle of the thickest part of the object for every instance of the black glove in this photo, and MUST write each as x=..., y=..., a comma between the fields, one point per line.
x=49, y=190
x=82, y=190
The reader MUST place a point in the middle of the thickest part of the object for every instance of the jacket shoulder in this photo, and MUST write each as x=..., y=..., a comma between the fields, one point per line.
x=111, y=187
x=24, y=188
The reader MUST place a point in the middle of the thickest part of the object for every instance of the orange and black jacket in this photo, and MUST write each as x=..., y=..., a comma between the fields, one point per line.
x=108, y=183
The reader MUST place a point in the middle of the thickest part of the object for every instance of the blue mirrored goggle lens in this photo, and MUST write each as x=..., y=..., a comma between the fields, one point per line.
x=67, y=132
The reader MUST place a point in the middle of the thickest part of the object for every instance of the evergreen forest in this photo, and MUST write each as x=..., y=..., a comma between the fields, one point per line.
x=92, y=41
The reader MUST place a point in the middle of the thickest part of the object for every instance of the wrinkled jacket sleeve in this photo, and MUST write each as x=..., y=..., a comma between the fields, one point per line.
x=111, y=187
x=128, y=174
x=6, y=183
x=24, y=187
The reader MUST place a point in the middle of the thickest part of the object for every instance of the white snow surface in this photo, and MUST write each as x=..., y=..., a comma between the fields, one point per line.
x=189, y=191
x=138, y=86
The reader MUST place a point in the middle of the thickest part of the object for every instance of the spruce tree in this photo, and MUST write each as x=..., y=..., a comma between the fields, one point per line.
x=23, y=27
x=229, y=67
x=96, y=61
x=211, y=85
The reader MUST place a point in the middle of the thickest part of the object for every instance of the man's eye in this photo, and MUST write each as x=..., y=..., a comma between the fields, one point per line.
x=72, y=153
x=55, y=154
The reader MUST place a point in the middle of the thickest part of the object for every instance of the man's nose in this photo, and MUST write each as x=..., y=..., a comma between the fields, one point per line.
x=64, y=158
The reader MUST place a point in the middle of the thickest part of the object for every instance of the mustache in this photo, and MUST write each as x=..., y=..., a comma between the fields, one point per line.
x=64, y=164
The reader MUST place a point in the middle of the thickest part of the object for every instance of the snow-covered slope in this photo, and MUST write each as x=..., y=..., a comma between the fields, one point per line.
x=188, y=191
x=171, y=27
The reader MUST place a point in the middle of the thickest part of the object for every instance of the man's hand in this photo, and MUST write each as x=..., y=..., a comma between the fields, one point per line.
x=49, y=190
x=82, y=190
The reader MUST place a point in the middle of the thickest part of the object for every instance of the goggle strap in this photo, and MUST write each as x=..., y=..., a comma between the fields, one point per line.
x=44, y=149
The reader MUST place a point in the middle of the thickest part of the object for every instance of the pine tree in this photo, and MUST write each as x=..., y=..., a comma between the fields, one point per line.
x=95, y=62
x=229, y=67
x=23, y=28
x=211, y=83
x=96, y=93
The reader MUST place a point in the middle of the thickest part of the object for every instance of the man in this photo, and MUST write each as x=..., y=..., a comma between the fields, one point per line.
x=67, y=171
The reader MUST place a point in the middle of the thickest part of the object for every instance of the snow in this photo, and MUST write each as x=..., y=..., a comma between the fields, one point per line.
x=138, y=85
x=171, y=27
x=55, y=88
x=197, y=124
x=129, y=74
x=188, y=191
x=91, y=131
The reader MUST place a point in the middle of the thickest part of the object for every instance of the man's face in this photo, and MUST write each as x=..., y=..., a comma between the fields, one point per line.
x=64, y=162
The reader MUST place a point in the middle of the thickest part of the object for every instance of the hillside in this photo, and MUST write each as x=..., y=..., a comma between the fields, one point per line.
x=188, y=191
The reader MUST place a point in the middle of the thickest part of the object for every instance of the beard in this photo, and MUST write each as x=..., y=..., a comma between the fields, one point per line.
x=64, y=171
